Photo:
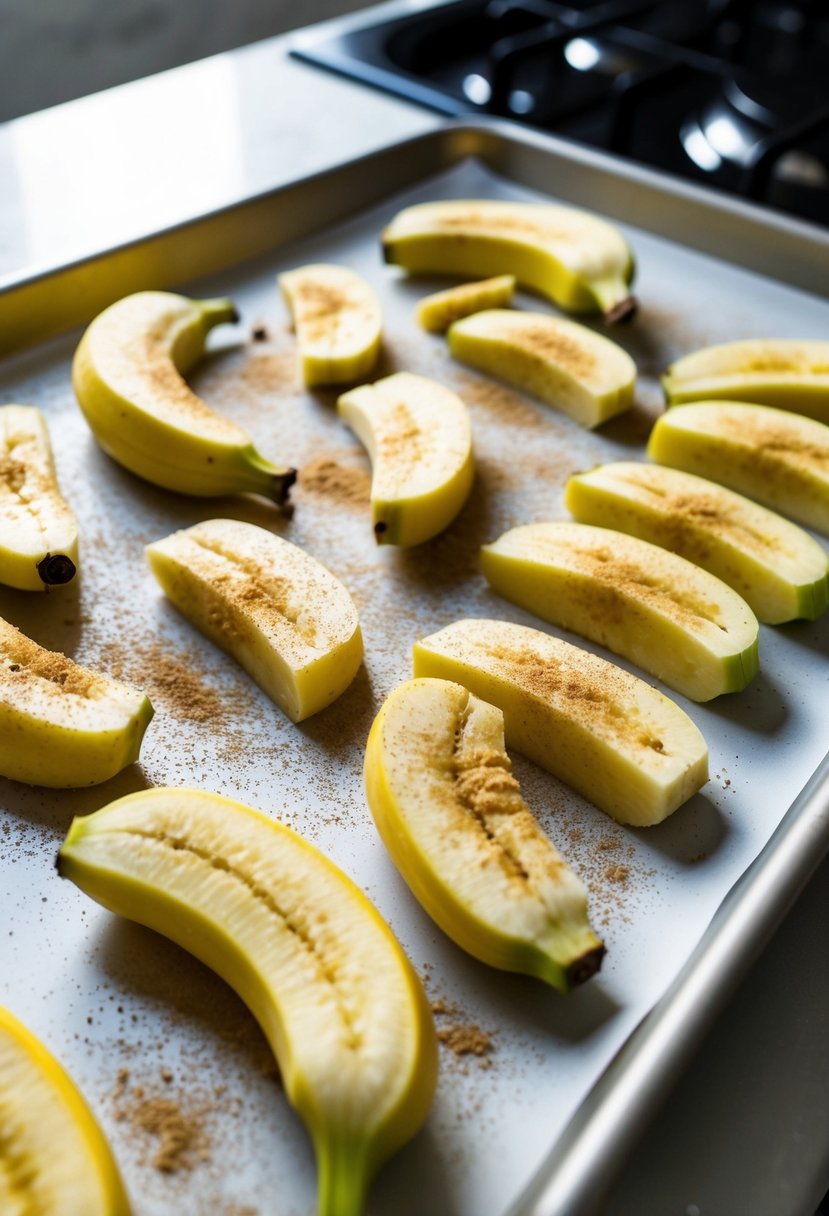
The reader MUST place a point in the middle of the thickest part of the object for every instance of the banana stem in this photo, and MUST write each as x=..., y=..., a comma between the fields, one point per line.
x=218, y=312
x=343, y=1179
x=614, y=299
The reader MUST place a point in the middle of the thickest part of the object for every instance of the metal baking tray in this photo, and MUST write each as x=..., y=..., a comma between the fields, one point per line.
x=540, y=1123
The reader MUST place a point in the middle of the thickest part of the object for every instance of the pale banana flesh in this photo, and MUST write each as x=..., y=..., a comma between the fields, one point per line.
x=62, y=725
x=338, y=323
x=778, y=569
x=338, y=1001
x=440, y=787
x=38, y=530
x=787, y=373
x=665, y=614
x=128, y=375
x=621, y=744
x=279, y=612
x=419, y=440
x=779, y=459
x=577, y=260
x=564, y=364
x=435, y=313
x=54, y=1159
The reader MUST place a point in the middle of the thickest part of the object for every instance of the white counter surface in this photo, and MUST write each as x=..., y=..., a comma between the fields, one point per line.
x=747, y=1132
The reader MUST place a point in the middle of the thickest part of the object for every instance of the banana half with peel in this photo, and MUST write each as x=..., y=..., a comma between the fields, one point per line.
x=440, y=787
x=62, y=725
x=128, y=375
x=336, y=997
x=54, y=1160
x=38, y=532
x=286, y=620
x=577, y=260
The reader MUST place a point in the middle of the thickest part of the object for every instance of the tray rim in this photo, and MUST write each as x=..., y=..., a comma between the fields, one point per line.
x=585, y=1160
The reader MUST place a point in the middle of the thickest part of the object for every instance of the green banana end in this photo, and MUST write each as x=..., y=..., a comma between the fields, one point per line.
x=343, y=1178
x=614, y=298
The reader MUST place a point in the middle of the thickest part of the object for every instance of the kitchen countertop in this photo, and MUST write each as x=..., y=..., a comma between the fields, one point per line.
x=746, y=1133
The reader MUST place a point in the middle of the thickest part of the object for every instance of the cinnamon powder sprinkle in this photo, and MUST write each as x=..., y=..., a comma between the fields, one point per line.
x=325, y=476
x=177, y=1134
x=461, y=1037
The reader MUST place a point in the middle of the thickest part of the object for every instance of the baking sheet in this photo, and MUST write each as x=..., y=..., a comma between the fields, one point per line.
x=126, y=1010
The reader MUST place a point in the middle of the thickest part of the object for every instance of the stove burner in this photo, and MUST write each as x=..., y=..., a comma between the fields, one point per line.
x=728, y=92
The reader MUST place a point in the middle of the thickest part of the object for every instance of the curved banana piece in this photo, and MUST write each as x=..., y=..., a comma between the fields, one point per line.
x=665, y=614
x=575, y=259
x=54, y=1159
x=777, y=458
x=787, y=373
x=338, y=322
x=419, y=439
x=128, y=377
x=440, y=787
x=778, y=569
x=62, y=725
x=288, y=621
x=619, y=742
x=564, y=364
x=38, y=531
x=435, y=313
x=333, y=992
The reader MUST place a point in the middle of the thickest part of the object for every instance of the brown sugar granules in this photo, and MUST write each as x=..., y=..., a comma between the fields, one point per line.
x=461, y=1037
x=179, y=1138
x=351, y=486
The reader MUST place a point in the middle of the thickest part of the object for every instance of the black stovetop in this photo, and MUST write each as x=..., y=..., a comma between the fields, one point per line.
x=731, y=93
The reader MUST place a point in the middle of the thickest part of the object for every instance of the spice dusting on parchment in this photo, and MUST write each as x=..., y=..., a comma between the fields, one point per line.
x=460, y=1036
x=172, y=1128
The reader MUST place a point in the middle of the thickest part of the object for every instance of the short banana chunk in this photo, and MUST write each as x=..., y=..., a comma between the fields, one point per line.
x=321, y=972
x=561, y=362
x=419, y=439
x=436, y=313
x=128, y=377
x=440, y=787
x=62, y=725
x=778, y=569
x=338, y=323
x=665, y=614
x=613, y=738
x=775, y=457
x=577, y=260
x=38, y=532
x=782, y=372
x=288, y=621
x=54, y=1160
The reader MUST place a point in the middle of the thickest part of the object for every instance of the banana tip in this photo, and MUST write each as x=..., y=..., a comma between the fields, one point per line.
x=55, y=569
x=582, y=968
x=622, y=310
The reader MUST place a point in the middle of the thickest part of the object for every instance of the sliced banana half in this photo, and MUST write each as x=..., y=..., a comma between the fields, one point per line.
x=665, y=614
x=338, y=1001
x=783, y=372
x=779, y=459
x=440, y=786
x=54, y=1159
x=436, y=313
x=577, y=260
x=617, y=741
x=282, y=615
x=338, y=323
x=128, y=375
x=419, y=439
x=38, y=531
x=62, y=725
x=778, y=569
x=560, y=362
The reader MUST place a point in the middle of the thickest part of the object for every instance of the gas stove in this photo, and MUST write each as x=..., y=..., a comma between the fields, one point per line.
x=731, y=93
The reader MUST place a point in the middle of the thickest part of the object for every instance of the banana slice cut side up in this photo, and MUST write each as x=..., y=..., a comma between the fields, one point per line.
x=54, y=1159
x=62, y=725
x=617, y=741
x=440, y=788
x=419, y=440
x=338, y=1001
x=38, y=531
x=338, y=323
x=282, y=615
